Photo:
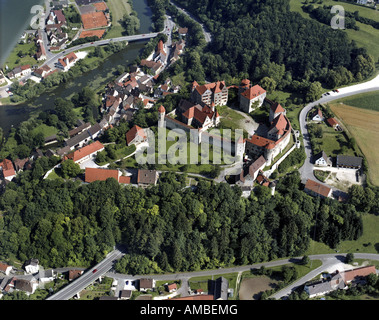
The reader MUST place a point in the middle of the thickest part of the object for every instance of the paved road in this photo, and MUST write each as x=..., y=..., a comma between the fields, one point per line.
x=87, y=278
x=307, y=170
x=328, y=261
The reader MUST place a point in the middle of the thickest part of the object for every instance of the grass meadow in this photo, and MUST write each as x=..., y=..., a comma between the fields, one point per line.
x=363, y=125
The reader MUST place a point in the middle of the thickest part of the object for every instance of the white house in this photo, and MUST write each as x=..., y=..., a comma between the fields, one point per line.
x=32, y=266
x=317, y=116
x=67, y=62
x=46, y=275
x=321, y=159
x=135, y=135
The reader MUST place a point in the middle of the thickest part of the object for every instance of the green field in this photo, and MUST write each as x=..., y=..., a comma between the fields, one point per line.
x=364, y=37
x=368, y=101
x=117, y=8
x=28, y=50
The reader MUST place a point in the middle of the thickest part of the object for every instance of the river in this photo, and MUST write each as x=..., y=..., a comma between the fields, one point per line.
x=13, y=115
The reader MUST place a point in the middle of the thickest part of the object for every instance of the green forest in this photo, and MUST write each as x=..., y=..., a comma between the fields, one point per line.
x=257, y=39
x=169, y=227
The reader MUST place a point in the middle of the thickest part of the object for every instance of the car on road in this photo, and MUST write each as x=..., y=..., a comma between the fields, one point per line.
x=94, y=270
x=91, y=42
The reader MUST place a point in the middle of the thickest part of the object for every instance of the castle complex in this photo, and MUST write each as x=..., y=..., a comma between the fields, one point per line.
x=200, y=114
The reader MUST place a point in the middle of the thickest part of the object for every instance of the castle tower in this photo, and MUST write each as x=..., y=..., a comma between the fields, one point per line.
x=161, y=116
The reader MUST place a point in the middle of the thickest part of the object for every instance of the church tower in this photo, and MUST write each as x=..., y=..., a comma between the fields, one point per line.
x=161, y=117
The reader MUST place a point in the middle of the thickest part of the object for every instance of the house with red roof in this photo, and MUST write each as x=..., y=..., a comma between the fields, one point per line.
x=160, y=53
x=86, y=153
x=333, y=123
x=67, y=62
x=7, y=169
x=135, y=135
x=250, y=97
x=100, y=174
x=201, y=117
x=317, y=189
x=212, y=93
x=4, y=268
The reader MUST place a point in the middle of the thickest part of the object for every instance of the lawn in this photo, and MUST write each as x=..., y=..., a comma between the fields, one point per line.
x=28, y=50
x=45, y=129
x=362, y=124
x=117, y=8
x=364, y=37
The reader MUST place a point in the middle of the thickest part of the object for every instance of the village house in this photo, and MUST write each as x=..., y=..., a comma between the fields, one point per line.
x=317, y=189
x=215, y=93
x=86, y=153
x=318, y=116
x=147, y=178
x=7, y=169
x=136, y=136
x=46, y=275
x=28, y=286
x=4, y=268
x=67, y=62
x=183, y=31
x=146, y=284
x=77, y=141
x=172, y=287
x=31, y=266
x=125, y=294
x=20, y=71
x=43, y=71
x=250, y=97
x=321, y=159
x=73, y=274
x=160, y=53
x=339, y=280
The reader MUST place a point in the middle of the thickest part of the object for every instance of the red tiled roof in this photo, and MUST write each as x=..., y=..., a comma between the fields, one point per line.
x=7, y=167
x=133, y=132
x=161, y=109
x=171, y=286
x=260, y=141
x=85, y=151
x=317, y=188
x=253, y=92
x=277, y=108
x=332, y=122
x=3, y=267
x=125, y=179
x=98, y=174
x=358, y=272
x=214, y=87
